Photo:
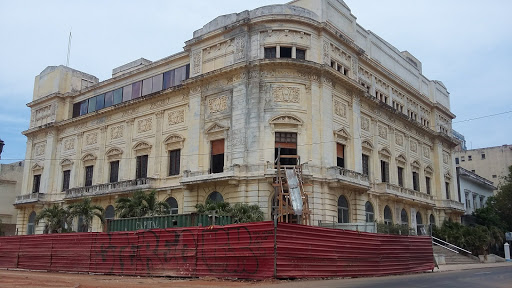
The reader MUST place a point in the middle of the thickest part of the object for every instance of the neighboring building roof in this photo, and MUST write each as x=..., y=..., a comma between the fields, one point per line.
x=475, y=177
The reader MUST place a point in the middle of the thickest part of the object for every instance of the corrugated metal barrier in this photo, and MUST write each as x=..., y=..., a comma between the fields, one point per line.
x=232, y=251
x=163, y=222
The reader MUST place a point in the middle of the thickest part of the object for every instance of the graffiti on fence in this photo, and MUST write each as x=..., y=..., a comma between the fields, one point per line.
x=149, y=224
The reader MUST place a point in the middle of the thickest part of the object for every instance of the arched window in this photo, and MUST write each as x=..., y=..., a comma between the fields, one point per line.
x=343, y=210
x=215, y=197
x=368, y=209
x=419, y=224
x=432, y=220
x=173, y=205
x=404, y=218
x=31, y=223
x=388, y=217
x=110, y=212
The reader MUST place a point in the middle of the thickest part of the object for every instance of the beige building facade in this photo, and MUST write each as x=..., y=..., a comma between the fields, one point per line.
x=491, y=163
x=370, y=129
x=11, y=176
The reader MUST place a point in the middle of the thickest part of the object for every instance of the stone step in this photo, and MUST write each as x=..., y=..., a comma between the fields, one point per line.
x=451, y=257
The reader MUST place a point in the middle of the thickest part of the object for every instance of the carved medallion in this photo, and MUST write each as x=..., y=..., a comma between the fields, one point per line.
x=365, y=124
x=383, y=132
x=340, y=109
x=399, y=139
x=414, y=146
x=217, y=104
x=176, y=117
x=286, y=94
x=116, y=132
x=91, y=138
x=144, y=125
x=39, y=149
x=69, y=144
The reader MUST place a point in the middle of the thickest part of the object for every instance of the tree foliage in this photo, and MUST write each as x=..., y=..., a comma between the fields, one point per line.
x=476, y=239
x=503, y=201
x=54, y=217
x=86, y=211
x=240, y=212
x=141, y=204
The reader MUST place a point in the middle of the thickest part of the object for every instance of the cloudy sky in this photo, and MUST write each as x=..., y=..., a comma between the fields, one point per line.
x=466, y=44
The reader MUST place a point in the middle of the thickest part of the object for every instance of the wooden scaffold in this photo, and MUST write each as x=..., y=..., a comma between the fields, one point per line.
x=290, y=199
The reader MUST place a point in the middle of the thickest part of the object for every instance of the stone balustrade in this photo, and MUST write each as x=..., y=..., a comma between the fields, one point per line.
x=194, y=177
x=404, y=192
x=452, y=204
x=29, y=198
x=116, y=187
x=348, y=176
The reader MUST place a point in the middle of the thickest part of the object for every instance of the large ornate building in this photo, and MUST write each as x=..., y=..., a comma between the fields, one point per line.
x=372, y=130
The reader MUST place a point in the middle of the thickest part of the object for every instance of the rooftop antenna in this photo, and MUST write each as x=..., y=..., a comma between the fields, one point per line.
x=69, y=47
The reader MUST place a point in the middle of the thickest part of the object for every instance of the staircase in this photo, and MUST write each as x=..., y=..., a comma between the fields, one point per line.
x=455, y=258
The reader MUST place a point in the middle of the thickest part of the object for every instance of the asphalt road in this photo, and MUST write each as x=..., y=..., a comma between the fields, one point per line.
x=475, y=278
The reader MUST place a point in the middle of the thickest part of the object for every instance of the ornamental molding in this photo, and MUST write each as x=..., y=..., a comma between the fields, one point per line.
x=341, y=135
x=365, y=123
x=286, y=94
x=286, y=119
x=66, y=162
x=429, y=169
x=141, y=145
x=217, y=104
x=144, y=125
x=340, y=109
x=37, y=166
x=416, y=164
x=176, y=117
x=114, y=152
x=216, y=127
x=385, y=152
x=367, y=144
x=448, y=175
x=401, y=159
x=89, y=157
x=173, y=138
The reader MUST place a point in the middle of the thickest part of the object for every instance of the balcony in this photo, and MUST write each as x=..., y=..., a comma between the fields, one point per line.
x=196, y=177
x=109, y=188
x=348, y=177
x=451, y=204
x=30, y=198
x=401, y=192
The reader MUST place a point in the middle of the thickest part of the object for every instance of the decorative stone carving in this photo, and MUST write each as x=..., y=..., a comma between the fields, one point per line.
x=429, y=170
x=240, y=47
x=286, y=94
x=45, y=114
x=144, y=125
x=113, y=152
x=130, y=112
x=141, y=145
x=116, y=132
x=416, y=164
x=217, y=104
x=367, y=144
x=399, y=139
x=79, y=127
x=69, y=144
x=37, y=166
x=39, y=149
x=174, y=138
x=340, y=109
x=286, y=119
x=286, y=36
x=216, y=127
x=383, y=132
x=341, y=135
x=446, y=157
x=365, y=124
x=238, y=138
x=327, y=58
x=66, y=162
x=176, y=117
x=414, y=146
x=426, y=152
x=91, y=138
x=88, y=157
x=401, y=159
x=196, y=56
x=385, y=152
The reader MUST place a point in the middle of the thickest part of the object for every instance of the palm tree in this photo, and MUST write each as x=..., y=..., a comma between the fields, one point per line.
x=141, y=204
x=86, y=211
x=220, y=208
x=55, y=218
x=245, y=213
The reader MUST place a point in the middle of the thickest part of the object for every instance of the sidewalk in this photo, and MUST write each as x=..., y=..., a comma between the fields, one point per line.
x=459, y=267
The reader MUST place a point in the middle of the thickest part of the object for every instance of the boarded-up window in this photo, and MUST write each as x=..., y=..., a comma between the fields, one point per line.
x=65, y=179
x=300, y=54
x=141, y=170
x=217, y=156
x=88, y=175
x=174, y=162
x=270, y=52
x=286, y=145
x=114, y=172
x=340, y=158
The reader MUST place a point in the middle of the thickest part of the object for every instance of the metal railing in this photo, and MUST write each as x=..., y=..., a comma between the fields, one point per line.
x=102, y=189
x=448, y=246
x=28, y=198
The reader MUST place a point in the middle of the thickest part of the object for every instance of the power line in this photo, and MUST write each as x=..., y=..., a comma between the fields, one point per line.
x=481, y=117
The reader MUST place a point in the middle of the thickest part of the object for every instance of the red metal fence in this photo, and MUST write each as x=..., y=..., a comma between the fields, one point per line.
x=233, y=251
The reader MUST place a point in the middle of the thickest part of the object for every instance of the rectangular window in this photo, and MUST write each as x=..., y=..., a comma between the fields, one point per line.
x=286, y=52
x=366, y=164
x=114, y=172
x=447, y=188
x=36, y=183
x=340, y=158
x=462, y=158
x=469, y=158
x=157, y=82
x=384, y=171
x=118, y=96
x=147, y=86
x=88, y=175
x=168, y=79
x=415, y=181
x=174, y=162
x=483, y=156
x=180, y=74
x=217, y=156
x=141, y=170
x=76, y=109
x=300, y=54
x=427, y=182
x=83, y=107
x=270, y=52
x=109, y=99
x=65, y=179
x=401, y=176
x=286, y=145
x=456, y=160
x=136, y=90
x=92, y=105
x=127, y=93
x=100, y=102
